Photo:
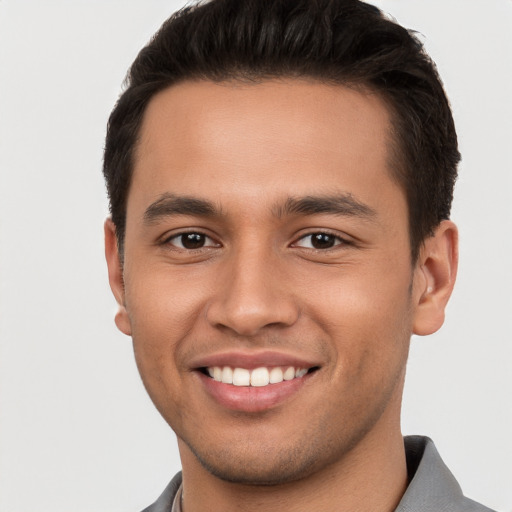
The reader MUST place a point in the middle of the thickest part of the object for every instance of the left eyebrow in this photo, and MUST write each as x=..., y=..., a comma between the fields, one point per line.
x=340, y=204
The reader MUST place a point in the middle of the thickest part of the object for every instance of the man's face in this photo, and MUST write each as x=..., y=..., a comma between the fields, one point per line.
x=264, y=232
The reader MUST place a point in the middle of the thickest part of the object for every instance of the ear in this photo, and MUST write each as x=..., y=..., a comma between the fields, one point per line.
x=434, y=278
x=115, y=276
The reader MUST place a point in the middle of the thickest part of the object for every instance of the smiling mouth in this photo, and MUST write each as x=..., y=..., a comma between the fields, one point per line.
x=257, y=377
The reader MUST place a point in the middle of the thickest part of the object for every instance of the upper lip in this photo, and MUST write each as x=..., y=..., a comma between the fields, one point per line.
x=251, y=360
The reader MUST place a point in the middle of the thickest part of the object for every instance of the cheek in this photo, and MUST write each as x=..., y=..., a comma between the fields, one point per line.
x=163, y=311
x=370, y=335
x=163, y=304
x=364, y=298
x=368, y=317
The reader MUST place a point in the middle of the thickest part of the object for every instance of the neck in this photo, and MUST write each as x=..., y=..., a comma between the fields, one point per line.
x=371, y=477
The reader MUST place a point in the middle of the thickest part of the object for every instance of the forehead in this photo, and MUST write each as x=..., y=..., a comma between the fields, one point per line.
x=292, y=136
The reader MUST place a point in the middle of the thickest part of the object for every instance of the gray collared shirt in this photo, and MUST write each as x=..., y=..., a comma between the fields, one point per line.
x=432, y=487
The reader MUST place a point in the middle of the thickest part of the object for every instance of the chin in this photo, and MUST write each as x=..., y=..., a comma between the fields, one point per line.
x=265, y=466
x=263, y=474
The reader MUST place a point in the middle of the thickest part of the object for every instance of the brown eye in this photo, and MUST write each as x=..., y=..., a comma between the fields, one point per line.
x=319, y=241
x=191, y=241
x=323, y=241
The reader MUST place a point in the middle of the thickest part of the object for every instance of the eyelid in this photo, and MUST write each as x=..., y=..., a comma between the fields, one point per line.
x=340, y=240
x=166, y=239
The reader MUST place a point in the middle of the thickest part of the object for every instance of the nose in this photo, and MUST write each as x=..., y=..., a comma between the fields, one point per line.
x=253, y=294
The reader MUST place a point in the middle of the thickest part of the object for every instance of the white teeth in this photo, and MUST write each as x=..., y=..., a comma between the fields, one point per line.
x=276, y=376
x=241, y=377
x=217, y=373
x=258, y=377
x=289, y=373
x=227, y=375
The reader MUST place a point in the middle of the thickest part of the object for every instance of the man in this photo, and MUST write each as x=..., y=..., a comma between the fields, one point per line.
x=280, y=176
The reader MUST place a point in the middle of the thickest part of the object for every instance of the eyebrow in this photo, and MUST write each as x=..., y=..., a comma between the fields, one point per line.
x=339, y=204
x=169, y=205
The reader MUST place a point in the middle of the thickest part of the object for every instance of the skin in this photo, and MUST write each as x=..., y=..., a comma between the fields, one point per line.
x=258, y=284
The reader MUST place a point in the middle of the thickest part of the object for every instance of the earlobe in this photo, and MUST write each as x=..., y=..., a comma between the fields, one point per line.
x=435, y=275
x=115, y=276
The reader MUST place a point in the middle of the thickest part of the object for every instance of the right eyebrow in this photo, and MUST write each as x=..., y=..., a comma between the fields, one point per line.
x=169, y=205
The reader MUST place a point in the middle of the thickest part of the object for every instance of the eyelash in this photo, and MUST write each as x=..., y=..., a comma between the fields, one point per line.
x=337, y=240
x=167, y=241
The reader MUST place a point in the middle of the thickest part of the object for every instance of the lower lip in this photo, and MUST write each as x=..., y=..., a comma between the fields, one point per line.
x=249, y=398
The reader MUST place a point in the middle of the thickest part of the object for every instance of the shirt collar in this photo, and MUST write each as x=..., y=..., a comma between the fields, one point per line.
x=432, y=487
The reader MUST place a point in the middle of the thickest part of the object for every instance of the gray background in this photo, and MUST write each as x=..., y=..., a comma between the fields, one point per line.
x=77, y=432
